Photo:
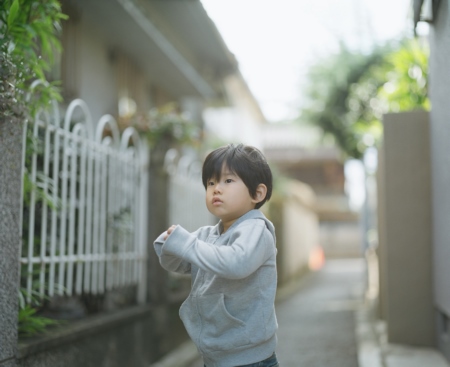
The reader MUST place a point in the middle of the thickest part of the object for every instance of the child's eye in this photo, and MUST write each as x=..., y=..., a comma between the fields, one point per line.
x=211, y=183
x=228, y=180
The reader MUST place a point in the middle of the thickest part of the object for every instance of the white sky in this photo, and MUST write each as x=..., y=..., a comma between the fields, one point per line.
x=274, y=41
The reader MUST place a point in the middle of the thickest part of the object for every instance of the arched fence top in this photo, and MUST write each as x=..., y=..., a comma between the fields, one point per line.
x=81, y=105
x=170, y=161
x=78, y=121
x=108, y=121
x=92, y=237
x=54, y=104
x=130, y=135
x=195, y=170
x=185, y=165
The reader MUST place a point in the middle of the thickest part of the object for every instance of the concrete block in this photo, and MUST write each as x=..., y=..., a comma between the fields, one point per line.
x=406, y=225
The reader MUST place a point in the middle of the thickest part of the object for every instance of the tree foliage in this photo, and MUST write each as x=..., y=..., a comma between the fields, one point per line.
x=349, y=92
x=29, y=44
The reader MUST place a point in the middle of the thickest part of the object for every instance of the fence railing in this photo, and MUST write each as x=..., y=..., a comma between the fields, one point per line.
x=187, y=205
x=85, y=205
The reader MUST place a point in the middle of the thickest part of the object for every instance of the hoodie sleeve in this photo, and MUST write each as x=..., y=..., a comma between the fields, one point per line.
x=168, y=261
x=250, y=247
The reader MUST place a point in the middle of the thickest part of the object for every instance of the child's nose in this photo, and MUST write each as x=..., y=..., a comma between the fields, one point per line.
x=217, y=188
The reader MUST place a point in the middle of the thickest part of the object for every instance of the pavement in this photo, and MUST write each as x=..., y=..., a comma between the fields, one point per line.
x=326, y=319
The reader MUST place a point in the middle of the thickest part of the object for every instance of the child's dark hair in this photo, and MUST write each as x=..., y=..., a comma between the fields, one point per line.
x=245, y=161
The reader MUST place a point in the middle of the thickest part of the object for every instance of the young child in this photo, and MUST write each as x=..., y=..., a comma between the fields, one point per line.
x=230, y=312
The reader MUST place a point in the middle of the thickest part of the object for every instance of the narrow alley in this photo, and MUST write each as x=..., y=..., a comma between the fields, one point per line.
x=316, y=317
x=317, y=322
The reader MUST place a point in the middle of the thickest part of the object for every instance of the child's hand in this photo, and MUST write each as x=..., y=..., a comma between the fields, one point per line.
x=169, y=231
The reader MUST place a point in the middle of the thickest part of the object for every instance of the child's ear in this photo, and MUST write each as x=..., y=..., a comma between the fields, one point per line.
x=261, y=192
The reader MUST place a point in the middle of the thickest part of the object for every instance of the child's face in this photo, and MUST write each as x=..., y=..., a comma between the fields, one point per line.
x=228, y=198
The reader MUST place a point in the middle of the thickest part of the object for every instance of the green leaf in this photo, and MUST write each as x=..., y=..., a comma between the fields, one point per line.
x=13, y=11
x=30, y=324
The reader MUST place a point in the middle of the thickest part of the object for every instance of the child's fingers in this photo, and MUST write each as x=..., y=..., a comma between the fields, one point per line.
x=169, y=231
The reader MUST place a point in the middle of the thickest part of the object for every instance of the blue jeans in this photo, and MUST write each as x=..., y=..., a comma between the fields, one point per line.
x=269, y=362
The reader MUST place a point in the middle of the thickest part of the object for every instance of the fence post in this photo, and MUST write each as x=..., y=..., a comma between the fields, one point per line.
x=158, y=210
x=11, y=150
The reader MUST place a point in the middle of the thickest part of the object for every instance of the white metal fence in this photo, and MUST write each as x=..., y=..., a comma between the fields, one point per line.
x=187, y=205
x=85, y=203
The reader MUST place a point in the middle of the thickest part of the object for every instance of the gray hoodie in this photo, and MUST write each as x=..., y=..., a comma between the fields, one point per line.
x=230, y=313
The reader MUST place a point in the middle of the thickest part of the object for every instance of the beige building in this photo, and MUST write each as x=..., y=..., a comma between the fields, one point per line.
x=126, y=57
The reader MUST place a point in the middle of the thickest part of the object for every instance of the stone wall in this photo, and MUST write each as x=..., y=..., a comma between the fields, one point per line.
x=10, y=236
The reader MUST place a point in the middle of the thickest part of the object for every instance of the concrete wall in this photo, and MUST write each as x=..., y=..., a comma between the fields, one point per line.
x=406, y=229
x=297, y=229
x=93, y=63
x=134, y=337
x=381, y=248
x=10, y=233
x=440, y=152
